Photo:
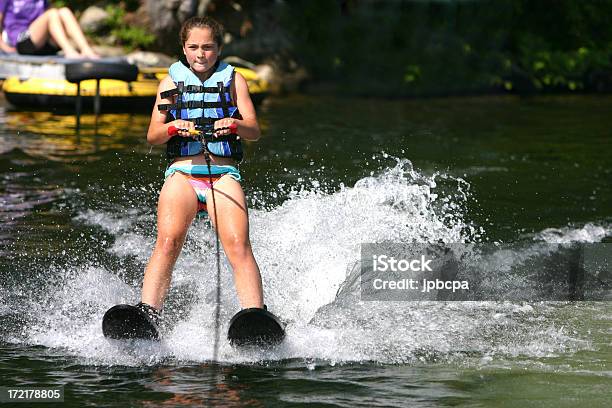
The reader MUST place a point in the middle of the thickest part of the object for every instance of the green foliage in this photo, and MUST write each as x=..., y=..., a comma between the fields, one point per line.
x=432, y=47
x=129, y=36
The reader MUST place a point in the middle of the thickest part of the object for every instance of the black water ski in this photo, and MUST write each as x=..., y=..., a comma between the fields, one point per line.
x=255, y=327
x=128, y=322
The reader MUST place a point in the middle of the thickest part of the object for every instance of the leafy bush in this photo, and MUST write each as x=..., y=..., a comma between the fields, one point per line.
x=130, y=36
x=434, y=47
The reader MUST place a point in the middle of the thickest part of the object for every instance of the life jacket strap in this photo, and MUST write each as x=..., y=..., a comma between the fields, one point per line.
x=190, y=105
x=179, y=100
x=179, y=146
x=224, y=102
x=189, y=89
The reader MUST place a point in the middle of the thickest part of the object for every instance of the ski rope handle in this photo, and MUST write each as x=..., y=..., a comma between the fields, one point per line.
x=205, y=135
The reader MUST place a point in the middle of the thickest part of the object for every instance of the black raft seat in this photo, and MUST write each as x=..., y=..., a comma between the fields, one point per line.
x=76, y=72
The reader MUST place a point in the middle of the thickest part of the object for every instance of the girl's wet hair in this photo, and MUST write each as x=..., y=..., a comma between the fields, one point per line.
x=202, y=22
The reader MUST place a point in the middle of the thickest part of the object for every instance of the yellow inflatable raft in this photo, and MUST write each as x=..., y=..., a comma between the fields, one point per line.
x=40, y=83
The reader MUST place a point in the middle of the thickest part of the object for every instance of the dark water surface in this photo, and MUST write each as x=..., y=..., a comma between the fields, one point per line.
x=77, y=224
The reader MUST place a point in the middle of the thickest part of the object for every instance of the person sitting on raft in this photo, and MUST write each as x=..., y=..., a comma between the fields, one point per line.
x=30, y=27
x=212, y=94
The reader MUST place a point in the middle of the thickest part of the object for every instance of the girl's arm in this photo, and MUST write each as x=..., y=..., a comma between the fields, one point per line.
x=248, y=128
x=158, y=128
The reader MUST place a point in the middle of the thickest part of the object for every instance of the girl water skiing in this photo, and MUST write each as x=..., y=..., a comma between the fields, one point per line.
x=202, y=91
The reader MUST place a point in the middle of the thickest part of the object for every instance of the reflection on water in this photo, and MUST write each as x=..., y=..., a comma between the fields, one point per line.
x=20, y=193
x=201, y=385
x=36, y=147
x=56, y=137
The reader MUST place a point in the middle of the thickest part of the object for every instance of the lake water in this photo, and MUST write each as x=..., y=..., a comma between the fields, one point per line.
x=77, y=225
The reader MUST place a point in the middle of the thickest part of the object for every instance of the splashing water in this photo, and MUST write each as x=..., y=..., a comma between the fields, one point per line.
x=308, y=249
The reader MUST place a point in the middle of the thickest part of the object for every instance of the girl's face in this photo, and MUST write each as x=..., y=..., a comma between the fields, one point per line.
x=201, y=50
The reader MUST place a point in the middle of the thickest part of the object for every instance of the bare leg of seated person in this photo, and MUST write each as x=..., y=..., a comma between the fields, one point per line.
x=74, y=31
x=51, y=24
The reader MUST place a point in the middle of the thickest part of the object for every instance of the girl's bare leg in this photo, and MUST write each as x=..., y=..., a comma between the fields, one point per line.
x=176, y=210
x=233, y=228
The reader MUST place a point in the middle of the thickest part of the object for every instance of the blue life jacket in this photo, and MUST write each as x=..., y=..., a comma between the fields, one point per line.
x=202, y=103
